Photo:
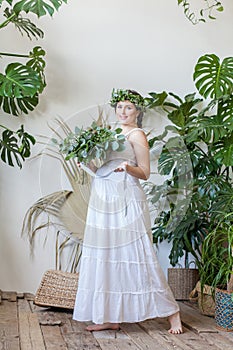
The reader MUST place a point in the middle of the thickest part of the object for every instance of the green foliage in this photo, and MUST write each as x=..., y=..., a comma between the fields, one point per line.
x=91, y=143
x=126, y=95
x=178, y=111
x=179, y=232
x=15, y=146
x=207, y=11
x=38, y=7
x=37, y=63
x=24, y=25
x=155, y=99
x=22, y=83
x=16, y=106
x=19, y=81
x=213, y=78
x=217, y=258
x=197, y=156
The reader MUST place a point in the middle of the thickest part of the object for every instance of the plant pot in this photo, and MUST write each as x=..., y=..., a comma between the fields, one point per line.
x=182, y=281
x=224, y=310
x=205, y=299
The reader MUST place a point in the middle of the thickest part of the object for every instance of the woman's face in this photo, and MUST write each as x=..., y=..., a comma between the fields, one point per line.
x=127, y=113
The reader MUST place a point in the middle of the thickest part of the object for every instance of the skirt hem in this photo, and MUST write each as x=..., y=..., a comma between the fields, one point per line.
x=167, y=314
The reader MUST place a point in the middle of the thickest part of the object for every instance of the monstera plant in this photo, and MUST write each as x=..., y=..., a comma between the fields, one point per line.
x=197, y=158
x=22, y=81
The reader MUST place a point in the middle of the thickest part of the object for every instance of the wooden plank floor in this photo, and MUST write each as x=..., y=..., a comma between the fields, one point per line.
x=25, y=326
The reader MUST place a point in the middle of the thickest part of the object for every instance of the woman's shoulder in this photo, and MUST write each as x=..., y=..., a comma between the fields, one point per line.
x=135, y=131
x=138, y=136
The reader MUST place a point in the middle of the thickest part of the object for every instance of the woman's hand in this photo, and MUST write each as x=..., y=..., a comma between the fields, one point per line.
x=121, y=167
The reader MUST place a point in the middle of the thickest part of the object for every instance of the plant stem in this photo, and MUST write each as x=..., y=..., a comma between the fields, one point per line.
x=13, y=54
x=186, y=260
x=4, y=127
x=8, y=20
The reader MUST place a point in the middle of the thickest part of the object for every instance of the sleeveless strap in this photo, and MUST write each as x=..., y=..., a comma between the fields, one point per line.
x=129, y=132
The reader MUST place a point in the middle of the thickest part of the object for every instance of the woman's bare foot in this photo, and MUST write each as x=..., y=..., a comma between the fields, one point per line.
x=175, y=323
x=101, y=327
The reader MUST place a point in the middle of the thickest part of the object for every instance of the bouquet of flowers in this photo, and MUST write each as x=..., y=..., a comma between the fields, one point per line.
x=91, y=143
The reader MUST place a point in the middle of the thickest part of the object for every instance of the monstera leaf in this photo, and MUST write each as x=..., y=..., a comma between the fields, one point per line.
x=223, y=151
x=19, y=88
x=37, y=63
x=16, y=106
x=24, y=25
x=209, y=129
x=225, y=110
x=19, y=81
x=39, y=7
x=25, y=141
x=15, y=146
x=212, y=78
x=174, y=157
x=9, y=147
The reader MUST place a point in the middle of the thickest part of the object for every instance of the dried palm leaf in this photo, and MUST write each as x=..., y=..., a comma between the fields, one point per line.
x=45, y=208
x=65, y=210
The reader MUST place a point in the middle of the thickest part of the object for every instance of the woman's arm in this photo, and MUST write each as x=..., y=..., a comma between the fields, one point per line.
x=141, y=149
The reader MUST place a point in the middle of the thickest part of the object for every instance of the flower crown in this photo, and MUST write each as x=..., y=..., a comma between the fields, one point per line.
x=126, y=95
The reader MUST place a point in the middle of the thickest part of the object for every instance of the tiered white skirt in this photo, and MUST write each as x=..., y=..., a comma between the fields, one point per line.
x=120, y=278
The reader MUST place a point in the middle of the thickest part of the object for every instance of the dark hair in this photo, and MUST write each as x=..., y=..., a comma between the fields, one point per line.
x=140, y=116
x=139, y=119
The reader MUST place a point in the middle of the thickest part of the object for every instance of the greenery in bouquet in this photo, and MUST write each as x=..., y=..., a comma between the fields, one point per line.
x=91, y=143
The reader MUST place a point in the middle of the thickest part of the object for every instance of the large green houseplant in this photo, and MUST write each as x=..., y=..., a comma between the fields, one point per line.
x=23, y=79
x=197, y=154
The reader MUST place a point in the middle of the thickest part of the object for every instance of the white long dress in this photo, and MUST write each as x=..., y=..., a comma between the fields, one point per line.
x=120, y=279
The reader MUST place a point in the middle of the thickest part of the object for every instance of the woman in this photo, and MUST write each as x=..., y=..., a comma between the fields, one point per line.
x=120, y=279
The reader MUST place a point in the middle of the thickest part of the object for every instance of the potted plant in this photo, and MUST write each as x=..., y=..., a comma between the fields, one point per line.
x=217, y=266
x=197, y=155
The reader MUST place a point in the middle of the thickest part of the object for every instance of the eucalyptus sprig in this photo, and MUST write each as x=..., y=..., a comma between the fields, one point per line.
x=91, y=143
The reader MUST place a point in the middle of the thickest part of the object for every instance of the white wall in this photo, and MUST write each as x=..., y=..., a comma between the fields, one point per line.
x=91, y=47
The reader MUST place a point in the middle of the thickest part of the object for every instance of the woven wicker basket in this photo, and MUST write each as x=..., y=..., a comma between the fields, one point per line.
x=224, y=310
x=204, y=298
x=182, y=281
x=57, y=289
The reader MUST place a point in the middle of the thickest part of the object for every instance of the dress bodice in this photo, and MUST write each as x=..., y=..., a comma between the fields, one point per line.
x=114, y=158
